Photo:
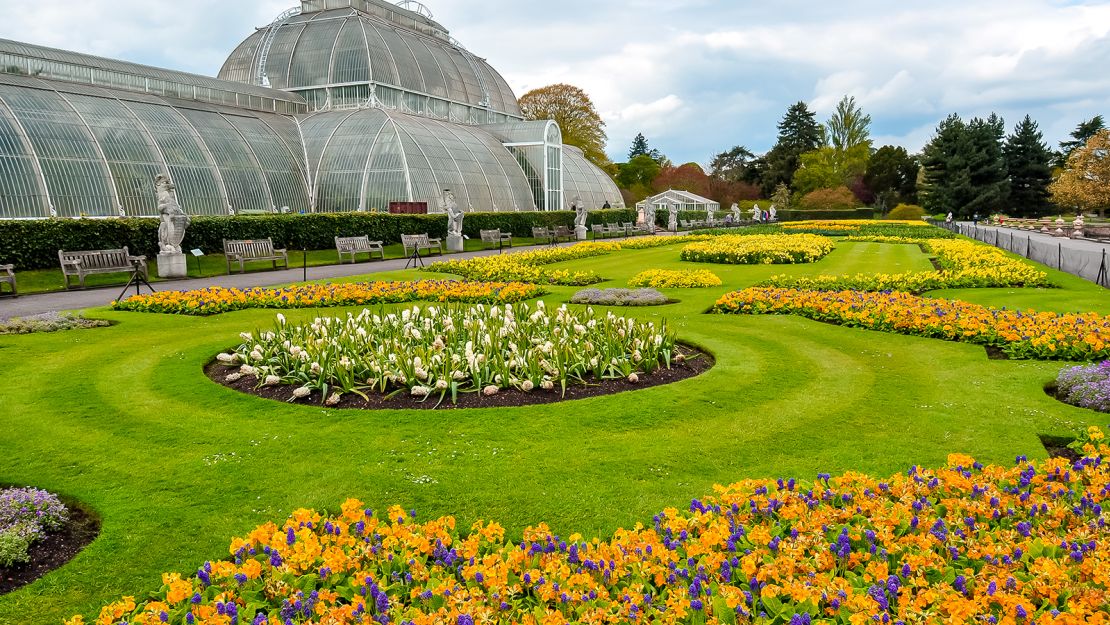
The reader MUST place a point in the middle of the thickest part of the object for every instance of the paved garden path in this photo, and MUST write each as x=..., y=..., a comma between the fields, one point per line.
x=39, y=303
x=1081, y=257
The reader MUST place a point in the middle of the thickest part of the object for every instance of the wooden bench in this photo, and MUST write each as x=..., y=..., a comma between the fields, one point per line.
x=85, y=263
x=7, y=274
x=563, y=233
x=244, y=251
x=414, y=243
x=496, y=237
x=352, y=246
x=543, y=234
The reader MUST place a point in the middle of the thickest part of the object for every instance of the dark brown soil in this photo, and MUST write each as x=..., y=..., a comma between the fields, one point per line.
x=54, y=550
x=996, y=353
x=696, y=362
x=936, y=263
x=1057, y=447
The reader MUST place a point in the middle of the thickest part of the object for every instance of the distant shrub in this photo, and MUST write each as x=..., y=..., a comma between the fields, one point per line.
x=48, y=322
x=906, y=211
x=840, y=198
x=619, y=297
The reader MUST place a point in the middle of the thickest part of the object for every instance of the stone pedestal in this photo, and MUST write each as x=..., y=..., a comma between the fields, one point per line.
x=580, y=232
x=455, y=243
x=172, y=265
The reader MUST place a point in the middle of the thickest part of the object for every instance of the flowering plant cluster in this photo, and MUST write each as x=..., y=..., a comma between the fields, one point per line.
x=759, y=249
x=1087, y=386
x=1030, y=335
x=526, y=266
x=26, y=515
x=449, y=350
x=675, y=279
x=964, y=264
x=965, y=543
x=619, y=297
x=49, y=322
x=219, y=299
x=868, y=229
x=643, y=243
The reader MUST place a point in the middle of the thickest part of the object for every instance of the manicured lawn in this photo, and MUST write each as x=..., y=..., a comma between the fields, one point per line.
x=124, y=419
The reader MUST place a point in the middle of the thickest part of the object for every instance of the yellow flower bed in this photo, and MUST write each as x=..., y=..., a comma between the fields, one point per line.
x=675, y=279
x=526, y=266
x=1030, y=334
x=963, y=543
x=218, y=299
x=852, y=224
x=964, y=264
x=643, y=243
x=759, y=249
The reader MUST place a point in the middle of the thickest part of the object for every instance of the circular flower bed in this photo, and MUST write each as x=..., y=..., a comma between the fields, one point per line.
x=620, y=297
x=675, y=279
x=38, y=533
x=442, y=352
x=760, y=249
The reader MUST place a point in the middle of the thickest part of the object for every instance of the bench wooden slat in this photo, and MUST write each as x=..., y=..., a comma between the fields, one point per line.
x=243, y=251
x=352, y=246
x=86, y=262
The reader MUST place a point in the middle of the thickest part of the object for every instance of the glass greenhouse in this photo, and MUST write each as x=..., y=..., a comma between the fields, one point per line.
x=338, y=105
x=685, y=200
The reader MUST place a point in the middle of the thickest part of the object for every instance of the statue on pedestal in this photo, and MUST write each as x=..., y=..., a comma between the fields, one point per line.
x=580, y=215
x=772, y=214
x=672, y=217
x=454, y=221
x=736, y=215
x=171, y=230
x=756, y=213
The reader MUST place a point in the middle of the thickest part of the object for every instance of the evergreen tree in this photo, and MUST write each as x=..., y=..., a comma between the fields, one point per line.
x=732, y=165
x=1079, y=137
x=987, y=166
x=1029, y=162
x=639, y=146
x=799, y=133
x=946, y=184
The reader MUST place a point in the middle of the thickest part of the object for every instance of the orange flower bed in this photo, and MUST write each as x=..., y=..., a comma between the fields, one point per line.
x=965, y=543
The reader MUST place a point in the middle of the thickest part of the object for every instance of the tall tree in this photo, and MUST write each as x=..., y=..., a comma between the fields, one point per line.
x=1084, y=131
x=828, y=167
x=574, y=111
x=946, y=185
x=732, y=165
x=892, y=177
x=965, y=172
x=1029, y=163
x=799, y=133
x=639, y=170
x=848, y=127
x=639, y=146
x=1085, y=183
x=987, y=166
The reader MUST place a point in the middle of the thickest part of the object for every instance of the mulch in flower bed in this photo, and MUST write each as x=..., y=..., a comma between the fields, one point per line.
x=696, y=362
x=54, y=550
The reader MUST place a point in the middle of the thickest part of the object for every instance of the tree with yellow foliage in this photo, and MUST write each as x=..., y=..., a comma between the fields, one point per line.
x=1085, y=182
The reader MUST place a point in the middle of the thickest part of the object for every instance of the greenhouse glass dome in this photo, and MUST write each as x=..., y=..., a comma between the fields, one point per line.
x=338, y=105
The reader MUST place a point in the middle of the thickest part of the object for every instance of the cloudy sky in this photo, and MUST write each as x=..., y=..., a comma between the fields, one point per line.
x=695, y=76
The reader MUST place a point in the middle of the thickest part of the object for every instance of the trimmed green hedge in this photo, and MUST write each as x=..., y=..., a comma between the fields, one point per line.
x=803, y=215
x=34, y=244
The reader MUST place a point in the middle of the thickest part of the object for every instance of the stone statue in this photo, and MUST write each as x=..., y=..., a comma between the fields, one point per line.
x=756, y=213
x=672, y=217
x=649, y=216
x=454, y=221
x=171, y=232
x=736, y=215
x=580, y=213
x=772, y=215
x=454, y=213
x=710, y=214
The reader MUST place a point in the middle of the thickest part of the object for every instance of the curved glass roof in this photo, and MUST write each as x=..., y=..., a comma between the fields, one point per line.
x=347, y=46
x=366, y=158
x=73, y=151
x=582, y=179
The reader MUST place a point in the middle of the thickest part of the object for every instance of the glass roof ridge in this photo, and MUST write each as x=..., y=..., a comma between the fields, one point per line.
x=30, y=51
